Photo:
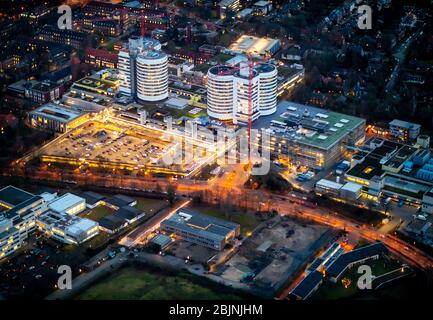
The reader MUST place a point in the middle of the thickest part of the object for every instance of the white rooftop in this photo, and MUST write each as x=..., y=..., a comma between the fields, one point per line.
x=57, y=112
x=261, y=3
x=48, y=197
x=65, y=202
x=404, y=124
x=352, y=187
x=253, y=45
x=81, y=225
x=237, y=59
x=329, y=184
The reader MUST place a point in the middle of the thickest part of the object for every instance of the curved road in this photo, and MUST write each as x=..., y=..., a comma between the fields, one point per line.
x=245, y=198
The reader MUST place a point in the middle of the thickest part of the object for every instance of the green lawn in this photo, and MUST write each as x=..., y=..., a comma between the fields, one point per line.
x=247, y=222
x=98, y=213
x=135, y=284
x=177, y=113
x=150, y=205
x=331, y=291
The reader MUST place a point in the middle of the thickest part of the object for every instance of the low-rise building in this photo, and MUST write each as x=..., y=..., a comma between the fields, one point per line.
x=404, y=130
x=328, y=187
x=55, y=117
x=100, y=58
x=93, y=199
x=354, y=257
x=119, y=200
x=161, y=241
x=226, y=6
x=103, y=83
x=308, y=285
x=351, y=191
x=44, y=92
x=112, y=224
x=130, y=214
x=67, y=228
x=204, y=230
x=255, y=46
x=262, y=7
x=71, y=38
x=391, y=169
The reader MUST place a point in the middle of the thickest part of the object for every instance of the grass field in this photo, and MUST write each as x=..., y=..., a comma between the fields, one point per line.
x=247, y=222
x=331, y=291
x=98, y=213
x=136, y=284
x=150, y=205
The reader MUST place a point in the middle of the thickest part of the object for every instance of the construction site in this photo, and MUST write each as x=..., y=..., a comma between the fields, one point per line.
x=276, y=253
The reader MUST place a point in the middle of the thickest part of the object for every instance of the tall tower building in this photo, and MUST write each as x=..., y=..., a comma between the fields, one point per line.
x=267, y=88
x=152, y=76
x=220, y=92
x=124, y=67
x=245, y=94
x=142, y=68
x=233, y=92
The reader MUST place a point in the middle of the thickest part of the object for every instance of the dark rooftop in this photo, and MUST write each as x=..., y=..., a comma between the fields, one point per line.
x=367, y=169
x=128, y=213
x=15, y=211
x=120, y=200
x=344, y=260
x=92, y=197
x=111, y=222
x=308, y=284
x=13, y=196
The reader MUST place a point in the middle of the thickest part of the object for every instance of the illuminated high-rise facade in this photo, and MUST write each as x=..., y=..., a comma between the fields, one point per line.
x=143, y=70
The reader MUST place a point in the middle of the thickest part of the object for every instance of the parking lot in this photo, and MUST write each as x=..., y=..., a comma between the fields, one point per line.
x=33, y=274
x=115, y=145
x=97, y=141
x=191, y=251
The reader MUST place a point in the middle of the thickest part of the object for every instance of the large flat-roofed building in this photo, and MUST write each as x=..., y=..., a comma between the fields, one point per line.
x=201, y=229
x=18, y=219
x=56, y=117
x=313, y=137
x=67, y=228
x=255, y=46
